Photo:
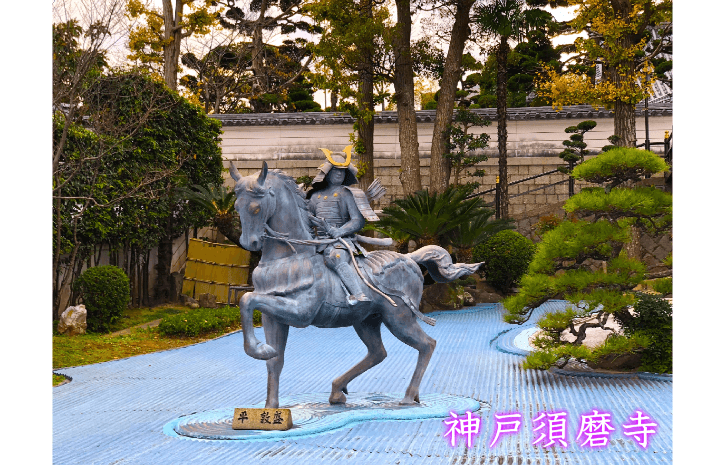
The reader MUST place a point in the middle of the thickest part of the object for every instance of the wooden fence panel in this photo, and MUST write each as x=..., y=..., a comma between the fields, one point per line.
x=212, y=268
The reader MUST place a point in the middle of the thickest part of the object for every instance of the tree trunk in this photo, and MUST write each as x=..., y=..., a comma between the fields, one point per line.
x=259, y=84
x=624, y=124
x=502, y=52
x=440, y=167
x=56, y=253
x=164, y=287
x=366, y=123
x=145, y=292
x=624, y=120
x=405, y=99
x=172, y=37
x=132, y=276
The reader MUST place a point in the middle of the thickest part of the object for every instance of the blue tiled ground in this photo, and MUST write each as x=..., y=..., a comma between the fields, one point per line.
x=115, y=412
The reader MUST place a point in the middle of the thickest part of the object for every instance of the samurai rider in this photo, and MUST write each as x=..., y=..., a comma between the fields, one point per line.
x=339, y=211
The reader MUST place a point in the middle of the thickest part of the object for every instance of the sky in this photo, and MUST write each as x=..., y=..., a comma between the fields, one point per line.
x=118, y=50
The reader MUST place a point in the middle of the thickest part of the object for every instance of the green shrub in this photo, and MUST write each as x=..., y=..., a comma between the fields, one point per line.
x=653, y=320
x=619, y=344
x=663, y=285
x=543, y=360
x=540, y=360
x=506, y=258
x=202, y=321
x=106, y=292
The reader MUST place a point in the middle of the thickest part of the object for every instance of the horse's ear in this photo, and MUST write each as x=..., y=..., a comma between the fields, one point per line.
x=262, y=174
x=233, y=172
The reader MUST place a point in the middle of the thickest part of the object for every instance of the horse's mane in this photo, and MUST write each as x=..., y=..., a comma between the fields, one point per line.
x=250, y=185
x=299, y=196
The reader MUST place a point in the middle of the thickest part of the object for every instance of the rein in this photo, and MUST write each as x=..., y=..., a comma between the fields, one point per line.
x=283, y=237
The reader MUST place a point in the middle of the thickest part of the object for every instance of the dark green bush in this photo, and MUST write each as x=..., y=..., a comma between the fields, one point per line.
x=202, y=321
x=653, y=319
x=506, y=258
x=663, y=285
x=106, y=292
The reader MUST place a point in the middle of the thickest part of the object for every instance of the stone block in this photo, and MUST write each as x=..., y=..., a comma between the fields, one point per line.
x=262, y=418
x=647, y=243
x=650, y=261
x=207, y=301
x=660, y=253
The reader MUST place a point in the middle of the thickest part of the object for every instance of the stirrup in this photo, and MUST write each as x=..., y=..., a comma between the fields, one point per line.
x=356, y=299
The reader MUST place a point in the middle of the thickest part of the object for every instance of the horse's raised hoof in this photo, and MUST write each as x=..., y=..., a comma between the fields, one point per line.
x=261, y=351
x=337, y=397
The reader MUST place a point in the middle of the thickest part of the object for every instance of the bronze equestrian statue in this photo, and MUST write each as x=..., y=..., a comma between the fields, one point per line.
x=301, y=281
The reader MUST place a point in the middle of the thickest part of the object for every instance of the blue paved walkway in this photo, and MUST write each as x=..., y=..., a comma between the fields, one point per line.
x=115, y=412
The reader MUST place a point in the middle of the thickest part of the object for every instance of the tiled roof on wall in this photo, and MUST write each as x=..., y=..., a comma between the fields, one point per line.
x=427, y=116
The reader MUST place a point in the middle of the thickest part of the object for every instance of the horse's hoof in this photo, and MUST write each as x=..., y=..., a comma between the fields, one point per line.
x=344, y=389
x=407, y=401
x=337, y=398
x=261, y=351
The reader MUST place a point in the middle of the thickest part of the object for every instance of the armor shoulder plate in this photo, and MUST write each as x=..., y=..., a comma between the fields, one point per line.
x=361, y=200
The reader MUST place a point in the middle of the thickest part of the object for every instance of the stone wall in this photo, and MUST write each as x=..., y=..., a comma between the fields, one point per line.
x=291, y=142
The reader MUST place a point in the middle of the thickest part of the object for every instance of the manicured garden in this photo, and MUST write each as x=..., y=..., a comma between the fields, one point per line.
x=179, y=326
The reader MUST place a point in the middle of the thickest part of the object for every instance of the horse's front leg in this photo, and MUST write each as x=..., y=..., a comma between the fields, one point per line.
x=276, y=335
x=290, y=312
x=252, y=346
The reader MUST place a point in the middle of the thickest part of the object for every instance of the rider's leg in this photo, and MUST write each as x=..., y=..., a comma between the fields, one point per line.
x=339, y=260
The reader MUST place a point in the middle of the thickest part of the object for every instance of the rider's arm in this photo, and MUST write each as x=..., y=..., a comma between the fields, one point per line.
x=356, y=222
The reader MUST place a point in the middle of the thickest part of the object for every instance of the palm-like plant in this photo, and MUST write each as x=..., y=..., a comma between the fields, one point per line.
x=480, y=228
x=218, y=203
x=428, y=217
x=506, y=20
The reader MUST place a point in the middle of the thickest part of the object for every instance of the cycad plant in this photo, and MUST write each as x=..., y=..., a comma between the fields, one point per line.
x=477, y=230
x=218, y=202
x=427, y=217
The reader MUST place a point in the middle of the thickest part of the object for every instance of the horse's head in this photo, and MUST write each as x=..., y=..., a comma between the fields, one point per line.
x=255, y=205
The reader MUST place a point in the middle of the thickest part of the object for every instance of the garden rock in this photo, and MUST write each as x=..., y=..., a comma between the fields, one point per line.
x=484, y=292
x=207, y=301
x=73, y=321
x=468, y=299
x=618, y=362
x=435, y=297
x=189, y=301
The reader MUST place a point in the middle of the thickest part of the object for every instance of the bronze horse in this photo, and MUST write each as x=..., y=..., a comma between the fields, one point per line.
x=293, y=287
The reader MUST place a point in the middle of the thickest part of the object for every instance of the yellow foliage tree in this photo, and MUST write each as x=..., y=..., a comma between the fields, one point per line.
x=617, y=32
x=156, y=41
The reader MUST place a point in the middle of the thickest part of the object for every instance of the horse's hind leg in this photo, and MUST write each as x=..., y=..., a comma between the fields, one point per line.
x=275, y=334
x=403, y=324
x=369, y=332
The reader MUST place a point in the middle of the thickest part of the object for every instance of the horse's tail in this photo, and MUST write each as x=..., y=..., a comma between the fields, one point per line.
x=439, y=264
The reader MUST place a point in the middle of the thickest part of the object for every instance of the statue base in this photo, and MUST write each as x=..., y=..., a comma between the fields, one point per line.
x=311, y=414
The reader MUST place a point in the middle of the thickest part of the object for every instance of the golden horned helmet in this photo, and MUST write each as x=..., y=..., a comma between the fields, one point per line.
x=336, y=160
